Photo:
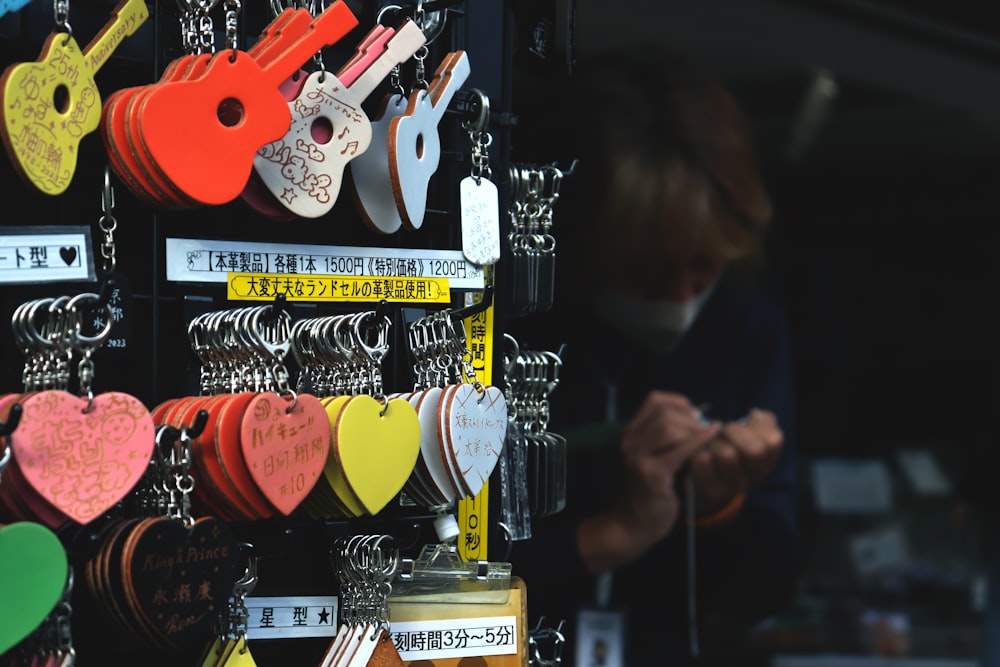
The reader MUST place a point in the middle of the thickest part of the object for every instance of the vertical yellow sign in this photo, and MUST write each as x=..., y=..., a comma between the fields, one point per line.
x=473, y=513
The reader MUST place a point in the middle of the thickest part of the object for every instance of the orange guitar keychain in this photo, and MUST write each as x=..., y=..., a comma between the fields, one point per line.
x=202, y=134
x=50, y=105
x=121, y=122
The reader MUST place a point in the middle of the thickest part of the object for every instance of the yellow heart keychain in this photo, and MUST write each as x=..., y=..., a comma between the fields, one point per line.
x=375, y=447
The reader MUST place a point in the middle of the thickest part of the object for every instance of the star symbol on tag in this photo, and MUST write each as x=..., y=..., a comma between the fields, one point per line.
x=324, y=616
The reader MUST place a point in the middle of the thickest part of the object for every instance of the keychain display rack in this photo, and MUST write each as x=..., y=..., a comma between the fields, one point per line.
x=130, y=221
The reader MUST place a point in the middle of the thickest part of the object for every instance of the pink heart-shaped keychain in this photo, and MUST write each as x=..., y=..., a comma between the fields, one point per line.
x=83, y=459
x=285, y=444
x=474, y=426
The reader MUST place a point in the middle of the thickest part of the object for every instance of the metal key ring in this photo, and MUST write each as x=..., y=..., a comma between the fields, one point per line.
x=73, y=309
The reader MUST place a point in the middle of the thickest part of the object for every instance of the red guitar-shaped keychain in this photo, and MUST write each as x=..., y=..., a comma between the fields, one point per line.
x=120, y=117
x=51, y=104
x=202, y=134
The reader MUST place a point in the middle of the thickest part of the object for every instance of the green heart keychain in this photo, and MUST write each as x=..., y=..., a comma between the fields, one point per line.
x=33, y=571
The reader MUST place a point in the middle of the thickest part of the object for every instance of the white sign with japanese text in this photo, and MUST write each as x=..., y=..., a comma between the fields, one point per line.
x=456, y=638
x=291, y=617
x=211, y=261
x=45, y=255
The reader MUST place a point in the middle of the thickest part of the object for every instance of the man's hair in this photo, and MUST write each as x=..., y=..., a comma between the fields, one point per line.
x=666, y=160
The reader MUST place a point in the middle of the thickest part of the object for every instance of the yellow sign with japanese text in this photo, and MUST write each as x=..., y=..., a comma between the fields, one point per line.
x=473, y=513
x=336, y=288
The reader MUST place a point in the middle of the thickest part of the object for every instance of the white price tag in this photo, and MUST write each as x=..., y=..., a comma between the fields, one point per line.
x=480, y=221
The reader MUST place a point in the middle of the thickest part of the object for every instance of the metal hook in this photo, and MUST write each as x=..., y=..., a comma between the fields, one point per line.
x=108, y=193
x=480, y=103
x=195, y=429
x=479, y=307
x=7, y=427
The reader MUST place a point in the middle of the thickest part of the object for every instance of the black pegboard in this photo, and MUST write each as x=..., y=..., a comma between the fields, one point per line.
x=158, y=363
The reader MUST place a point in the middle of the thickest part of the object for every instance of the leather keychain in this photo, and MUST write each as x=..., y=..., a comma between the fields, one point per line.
x=32, y=579
x=83, y=454
x=287, y=26
x=256, y=194
x=210, y=158
x=329, y=128
x=415, y=142
x=117, y=134
x=33, y=125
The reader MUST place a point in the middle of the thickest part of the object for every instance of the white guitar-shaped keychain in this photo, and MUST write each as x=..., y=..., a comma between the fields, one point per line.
x=414, y=142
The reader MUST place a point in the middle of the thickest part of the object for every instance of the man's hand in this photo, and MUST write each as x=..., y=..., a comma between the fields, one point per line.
x=656, y=443
x=740, y=455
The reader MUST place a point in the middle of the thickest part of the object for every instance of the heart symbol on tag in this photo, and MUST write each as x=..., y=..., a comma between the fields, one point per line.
x=376, y=448
x=179, y=579
x=68, y=255
x=284, y=450
x=83, y=461
x=32, y=579
x=475, y=426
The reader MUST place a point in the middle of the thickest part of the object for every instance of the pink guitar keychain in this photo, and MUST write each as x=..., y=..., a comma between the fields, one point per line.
x=304, y=169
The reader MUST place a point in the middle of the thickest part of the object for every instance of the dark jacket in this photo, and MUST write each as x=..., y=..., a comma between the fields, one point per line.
x=735, y=357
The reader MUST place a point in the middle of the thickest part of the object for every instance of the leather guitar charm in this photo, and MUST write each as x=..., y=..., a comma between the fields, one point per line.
x=200, y=133
x=414, y=141
x=304, y=169
x=370, y=172
x=42, y=131
x=120, y=129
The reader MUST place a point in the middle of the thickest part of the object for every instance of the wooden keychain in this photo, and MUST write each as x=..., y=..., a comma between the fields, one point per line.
x=42, y=131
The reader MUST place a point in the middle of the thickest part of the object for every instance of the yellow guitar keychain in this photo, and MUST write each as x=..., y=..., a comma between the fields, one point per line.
x=50, y=104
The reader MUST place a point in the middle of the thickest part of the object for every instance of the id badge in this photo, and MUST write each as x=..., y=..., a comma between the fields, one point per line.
x=600, y=638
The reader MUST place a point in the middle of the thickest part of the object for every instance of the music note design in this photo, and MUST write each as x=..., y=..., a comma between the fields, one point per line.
x=329, y=128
